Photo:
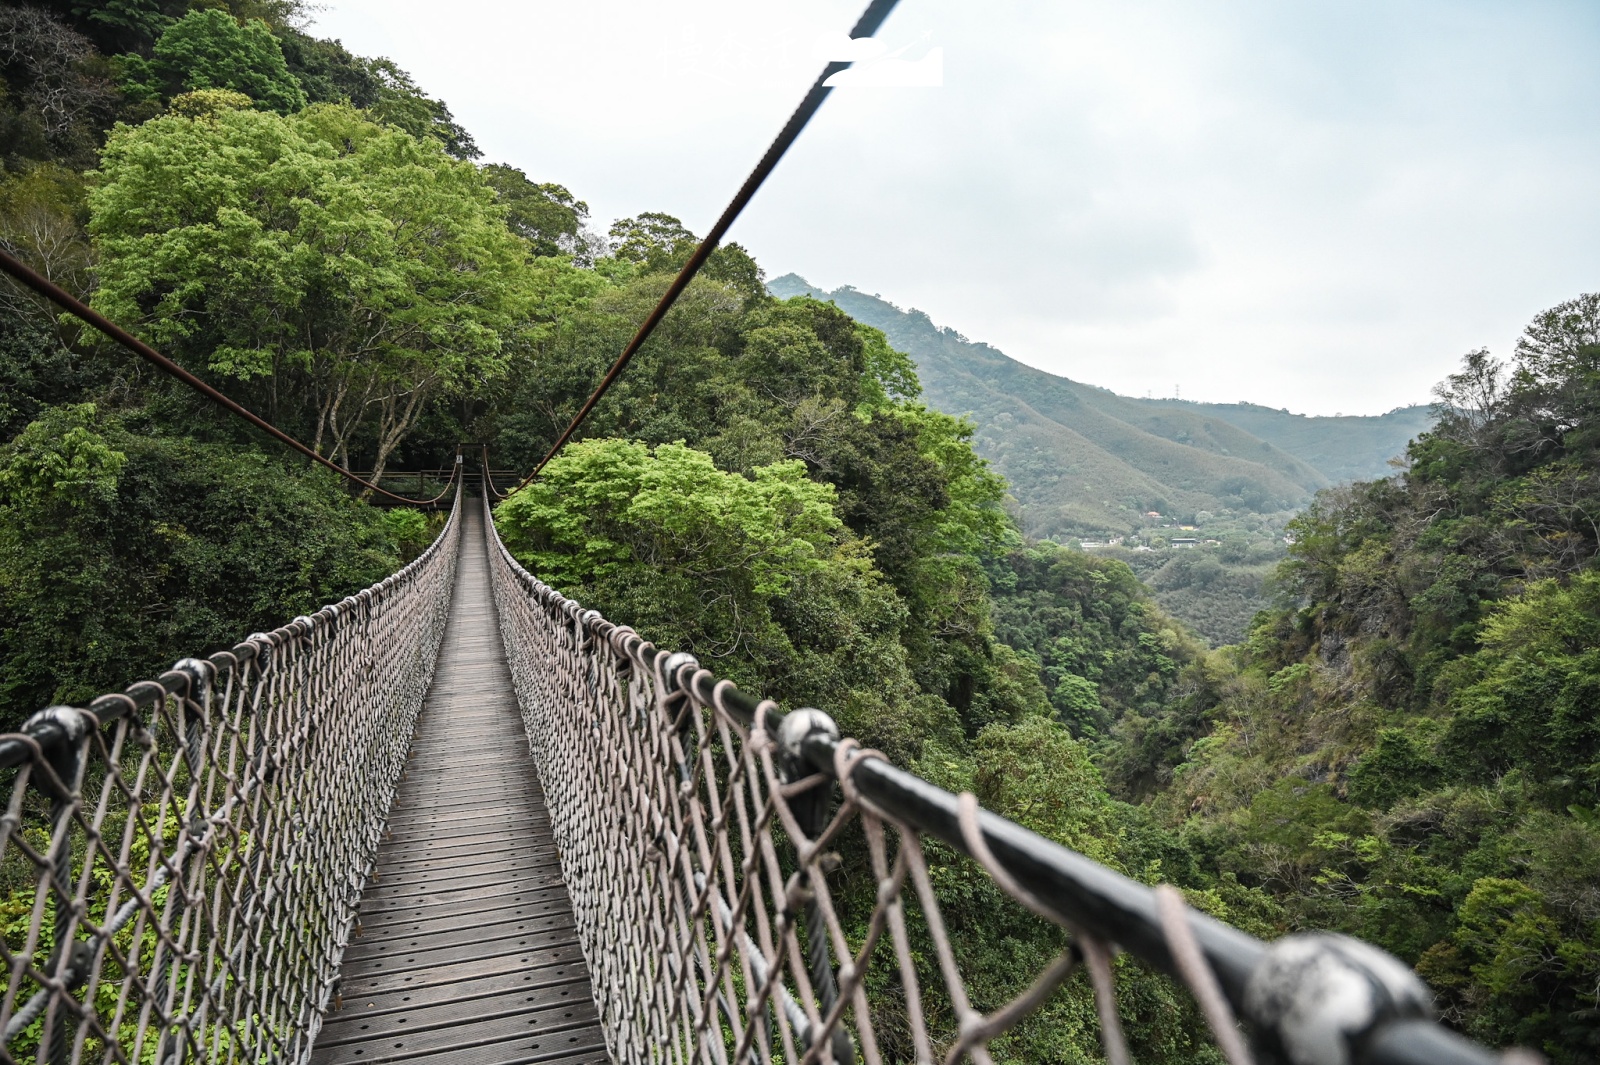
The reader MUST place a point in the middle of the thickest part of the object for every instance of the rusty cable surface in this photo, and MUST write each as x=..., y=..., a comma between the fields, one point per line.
x=53, y=292
x=699, y=831
x=192, y=849
x=866, y=26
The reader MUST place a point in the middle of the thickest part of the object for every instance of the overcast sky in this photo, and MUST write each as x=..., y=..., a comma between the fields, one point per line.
x=1316, y=205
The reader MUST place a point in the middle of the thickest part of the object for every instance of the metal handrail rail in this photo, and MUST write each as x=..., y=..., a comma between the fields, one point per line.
x=1307, y=998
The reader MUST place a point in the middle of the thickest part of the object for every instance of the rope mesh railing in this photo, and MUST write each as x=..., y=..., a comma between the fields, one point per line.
x=181, y=862
x=699, y=833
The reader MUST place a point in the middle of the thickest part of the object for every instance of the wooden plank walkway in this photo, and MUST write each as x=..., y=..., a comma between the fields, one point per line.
x=468, y=954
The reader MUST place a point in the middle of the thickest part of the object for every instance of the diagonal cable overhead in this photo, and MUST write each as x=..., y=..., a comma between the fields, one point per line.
x=866, y=26
x=72, y=305
x=871, y=19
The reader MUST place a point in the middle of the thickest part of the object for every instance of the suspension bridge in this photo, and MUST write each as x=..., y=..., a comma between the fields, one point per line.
x=458, y=819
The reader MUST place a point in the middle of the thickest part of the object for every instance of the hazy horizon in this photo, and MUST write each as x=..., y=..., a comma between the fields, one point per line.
x=1318, y=208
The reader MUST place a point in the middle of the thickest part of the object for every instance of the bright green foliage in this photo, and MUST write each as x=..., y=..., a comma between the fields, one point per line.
x=121, y=551
x=1409, y=750
x=1106, y=652
x=359, y=266
x=62, y=462
x=755, y=574
x=1043, y=778
x=208, y=103
x=756, y=383
x=763, y=533
x=1537, y=706
x=656, y=243
x=547, y=216
x=210, y=49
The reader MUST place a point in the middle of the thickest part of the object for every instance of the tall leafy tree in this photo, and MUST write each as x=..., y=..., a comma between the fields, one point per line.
x=757, y=574
x=319, y=248
x=546, y=215
x=654, y=243
x=210, y=49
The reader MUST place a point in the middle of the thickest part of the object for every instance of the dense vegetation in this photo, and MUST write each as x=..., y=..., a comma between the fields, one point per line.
x=1409, y=749
x=252, y=231
x=1405, y=747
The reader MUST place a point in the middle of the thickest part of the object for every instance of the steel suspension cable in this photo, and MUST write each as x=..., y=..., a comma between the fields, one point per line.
x=53, y=292
x=866, y=26
x=488, y=477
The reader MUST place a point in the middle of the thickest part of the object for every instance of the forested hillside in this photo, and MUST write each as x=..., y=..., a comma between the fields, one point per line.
x=1341, y=447
x=1409, y=748
x=1405, y=748
x=1082, y=460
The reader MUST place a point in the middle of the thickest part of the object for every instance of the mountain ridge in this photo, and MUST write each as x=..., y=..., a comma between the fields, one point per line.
x=1084, y=460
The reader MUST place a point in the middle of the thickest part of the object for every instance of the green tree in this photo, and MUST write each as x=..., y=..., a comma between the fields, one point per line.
x=654, y=243
x=546, y=215
x=122, y=549
x=210, y=49
x=400, y=103
x=756, y=575
x=320, y=260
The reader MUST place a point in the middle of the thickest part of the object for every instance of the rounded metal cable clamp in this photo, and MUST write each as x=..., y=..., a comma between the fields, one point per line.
x=58, y=730
x=793, y=731
x=1316, y=997
x=199, y=672
x=264, y=649
x=68, y=722
x=673, y=666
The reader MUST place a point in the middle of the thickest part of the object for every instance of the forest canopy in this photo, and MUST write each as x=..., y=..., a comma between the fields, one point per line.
x=1405, y=747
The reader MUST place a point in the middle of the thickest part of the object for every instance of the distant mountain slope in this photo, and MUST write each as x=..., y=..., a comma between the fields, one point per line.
x=1082, y=459
x=1342, y=448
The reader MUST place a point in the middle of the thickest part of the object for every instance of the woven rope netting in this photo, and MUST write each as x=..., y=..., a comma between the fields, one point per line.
x=180, y=863
x=702, y=862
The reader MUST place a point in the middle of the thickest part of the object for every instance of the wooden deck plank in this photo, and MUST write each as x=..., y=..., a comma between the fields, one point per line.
x=467, y=954
x=531, y=964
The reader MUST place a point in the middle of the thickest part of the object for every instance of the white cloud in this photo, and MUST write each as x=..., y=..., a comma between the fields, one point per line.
x=1318, y=205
